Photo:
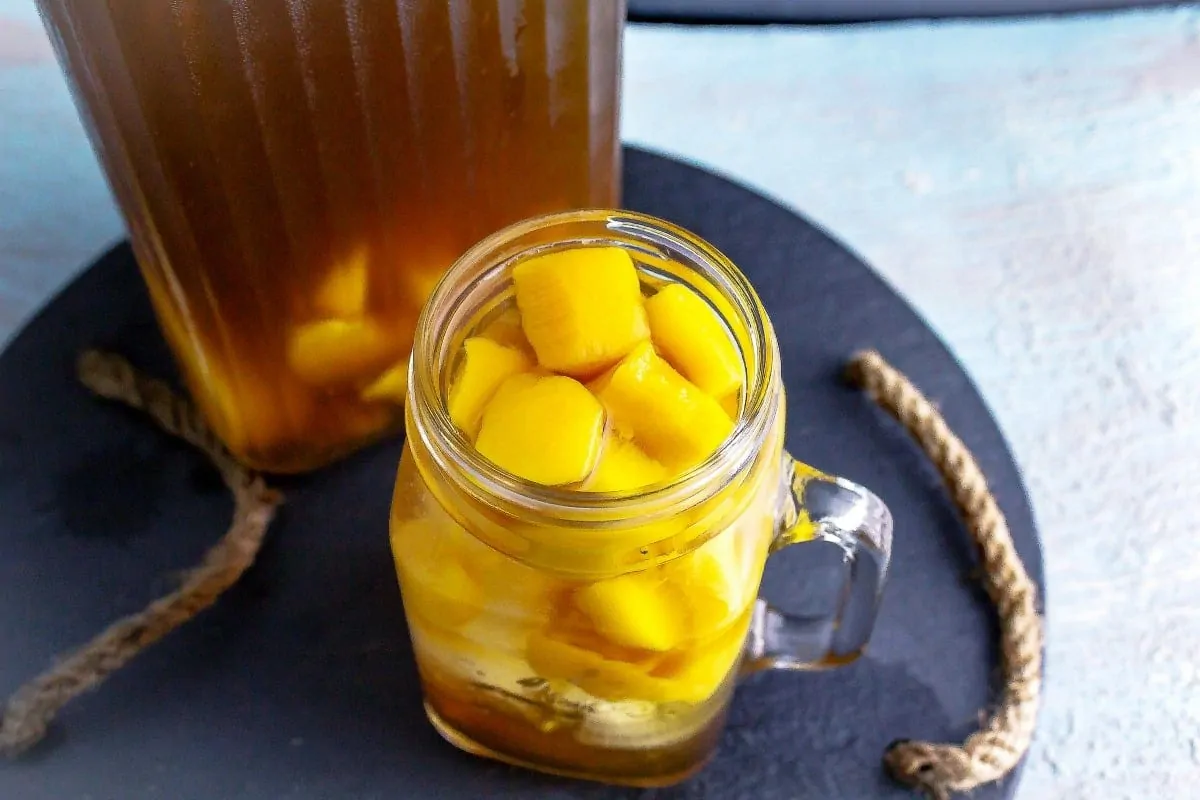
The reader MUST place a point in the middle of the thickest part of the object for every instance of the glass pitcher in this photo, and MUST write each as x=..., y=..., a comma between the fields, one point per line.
x=600, y=635
x=296, y=176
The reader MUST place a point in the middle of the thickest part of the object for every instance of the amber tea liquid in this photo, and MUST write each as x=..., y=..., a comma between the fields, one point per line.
x=297, y=174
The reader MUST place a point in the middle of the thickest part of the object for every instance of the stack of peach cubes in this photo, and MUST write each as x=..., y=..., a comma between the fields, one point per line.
x=571, y=389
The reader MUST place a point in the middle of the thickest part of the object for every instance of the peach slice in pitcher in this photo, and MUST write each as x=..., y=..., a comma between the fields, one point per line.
x=343, y=292
x=390, y=387
x=713, y=577
x=599, y=674
x=693, y=674
x=340, y=351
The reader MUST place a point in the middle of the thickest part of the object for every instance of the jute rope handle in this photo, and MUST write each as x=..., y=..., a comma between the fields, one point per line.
x=30, y=710
x=992, y=752
x=938, y=769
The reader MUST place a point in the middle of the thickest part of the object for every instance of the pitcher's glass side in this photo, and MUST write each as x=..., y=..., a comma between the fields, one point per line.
x=295, y=181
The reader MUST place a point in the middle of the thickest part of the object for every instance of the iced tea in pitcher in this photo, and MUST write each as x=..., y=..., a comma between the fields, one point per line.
x=297, y=174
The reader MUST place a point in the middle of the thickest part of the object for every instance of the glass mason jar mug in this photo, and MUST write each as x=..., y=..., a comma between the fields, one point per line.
x=600, y=635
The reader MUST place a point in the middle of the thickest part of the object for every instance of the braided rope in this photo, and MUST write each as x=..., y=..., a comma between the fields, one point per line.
x=29, y=712
x=994, y=750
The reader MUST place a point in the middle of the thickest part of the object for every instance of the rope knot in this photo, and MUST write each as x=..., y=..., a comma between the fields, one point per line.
x=934, y=769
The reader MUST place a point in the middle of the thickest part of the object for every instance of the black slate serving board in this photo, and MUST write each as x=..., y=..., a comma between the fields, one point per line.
x=300, y=682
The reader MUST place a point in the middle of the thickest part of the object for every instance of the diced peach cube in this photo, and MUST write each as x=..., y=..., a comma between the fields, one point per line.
x=339, y=351
x=390, y=387
x=581, y=308
x=437, y=587
x=732, y=404
x=694, y=674
x=343, y=292
x=712, y=578
x=637, y=610
x=623, y=467
x=447, y=594
x=671, y=419
x=548, y=430
x=485, y=366
x=690, y=335
x=506, y=329
x=609, y=679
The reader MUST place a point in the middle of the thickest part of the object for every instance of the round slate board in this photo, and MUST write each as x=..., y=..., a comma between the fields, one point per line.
x=300, y=682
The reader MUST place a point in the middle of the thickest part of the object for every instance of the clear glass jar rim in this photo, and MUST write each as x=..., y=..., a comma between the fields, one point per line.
x=471, y=472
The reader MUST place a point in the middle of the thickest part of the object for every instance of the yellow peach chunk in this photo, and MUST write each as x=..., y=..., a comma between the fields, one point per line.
x=515, y=591
x=548, y=430
x=713, y=579
x=337, y=351
x=436, y=586
x=732, y=404
x=418, y=282
x=390, y=387
x=694, y=675
x=343, y=292
x=581, y=308
x=360, y=423
x=638, y=610
x=606, y=678
x=672, y=420
x=506, y=329
x=623, y=467
x=446, y=594
x=690, y=335
x=485, y=366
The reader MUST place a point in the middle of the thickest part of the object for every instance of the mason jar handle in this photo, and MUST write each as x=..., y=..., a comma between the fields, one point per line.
x=817, y=508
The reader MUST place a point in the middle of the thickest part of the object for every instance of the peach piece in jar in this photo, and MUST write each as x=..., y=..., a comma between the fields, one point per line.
x=623, y=467
x=690, y=673
x=505, y=328
x=581, y=308
x=663, y=412
x=714, y=581
x=732, y=404
x=693, y=674
x=440, y=590
x=545, y=429
x=690, y=335
x=486, y=365
x=599, y=674
x=639, y=610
